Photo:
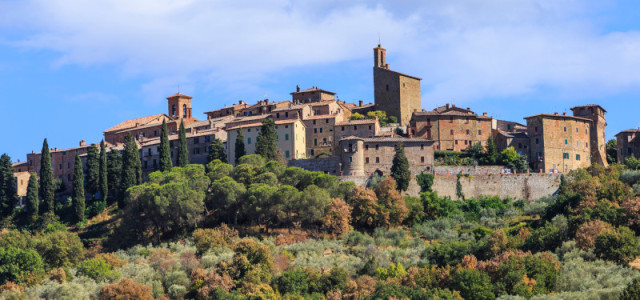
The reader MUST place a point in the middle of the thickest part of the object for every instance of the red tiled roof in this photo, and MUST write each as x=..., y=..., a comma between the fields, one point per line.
x=356, y=122
x=144, y=121
x=557, y=116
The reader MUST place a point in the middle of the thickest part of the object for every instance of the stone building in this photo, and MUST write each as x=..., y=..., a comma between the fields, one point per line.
x=179, y=109
x=311, y=95
x=20, y=171
x=232, y=110
x=290, y=136
x=511, y=134
x=451, y=128
x=262, y=107
x=395, y=93
x=628, y=144
x=62, y=163
x=365, y=156
x=595, y=113
x=558, y=142
x=197, y=146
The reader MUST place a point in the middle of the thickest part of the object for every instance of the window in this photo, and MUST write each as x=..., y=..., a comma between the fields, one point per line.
x=350, y=159
x=155, y=133
x=450, y=119
x=535, y=129
x=326, y=121
x=286, y=126
x=315, y=142
x=586, y=145
x=249, y=130
x=566, y=142
x=387, y=87
x=565, y=129
x=314, y=122
x=465, y=142
x=577, y=144
x=196, y=140
x=577, y=156
x=68, y=165
x=537, y=141
x=508, y=126
x=320, y=130
x=249, y=141
x=565, y=155
x=576, y=129
x=451, y=132
x=173, y=110
x=468, y=132
x=366, y=147
x=342, y=128
x=369, y=127
x=355, y=127
x=377, y=160
x=315, y=130
x=377, y=147
x=422, y=159
x=312, y=152
x=278, y=116
x=145, y=164
x=456, y=142
x=286, y=154
x=421, y=147
x=286, y=136
x=286, y=114
x=519, y=145
x=366, y=160
x=480, y=132
x=60, y=166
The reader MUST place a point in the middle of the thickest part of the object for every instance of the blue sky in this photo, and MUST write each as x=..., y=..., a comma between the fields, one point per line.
x=70, y=69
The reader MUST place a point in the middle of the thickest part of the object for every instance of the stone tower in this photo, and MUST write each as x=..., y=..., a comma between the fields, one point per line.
x=180, y=107
x=396, y=93
x=597, y=138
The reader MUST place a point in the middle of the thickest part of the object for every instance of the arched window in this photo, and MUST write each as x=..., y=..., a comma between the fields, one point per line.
x=173, y=110
x=184, y=110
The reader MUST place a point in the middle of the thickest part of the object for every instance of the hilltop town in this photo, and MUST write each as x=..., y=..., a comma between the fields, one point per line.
x=317, y=198
x=318, y=132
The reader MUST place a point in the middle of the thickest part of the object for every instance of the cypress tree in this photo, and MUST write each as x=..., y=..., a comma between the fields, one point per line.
x=32, y=199
x=266, y=144
x=114, y=172
x=165, y=150
x=103, y=174
x=400, y=169
x=77, y=197
x=216, y=151
x=131, y=168
x=240, y=152
x=8, y=193
x=492, y=155
x=183, y=152
x=93, y=172
x=47, y=192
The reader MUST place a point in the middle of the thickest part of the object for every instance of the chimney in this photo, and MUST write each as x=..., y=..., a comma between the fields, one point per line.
x=484, y=114
x=360, y=103
x=297, y=88
x=468, y=109
x=83, y=143
x=448, y=106
x=266, y=101
x=564, y=113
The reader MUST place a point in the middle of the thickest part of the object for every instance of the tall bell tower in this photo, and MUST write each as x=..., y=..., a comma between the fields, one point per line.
x=179, y=107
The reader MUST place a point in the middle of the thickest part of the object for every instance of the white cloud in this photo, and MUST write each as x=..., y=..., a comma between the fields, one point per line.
x=464, y=50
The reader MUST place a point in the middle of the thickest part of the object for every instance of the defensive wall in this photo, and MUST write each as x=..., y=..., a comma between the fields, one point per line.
x=527, y=187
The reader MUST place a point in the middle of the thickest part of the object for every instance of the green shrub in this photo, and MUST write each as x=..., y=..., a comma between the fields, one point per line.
x=293, y=282
x=621, y=246
x=472, y=284
x=97, y=269
x=20, y=265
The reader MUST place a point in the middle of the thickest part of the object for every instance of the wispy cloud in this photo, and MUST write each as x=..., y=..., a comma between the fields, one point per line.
x=466, y=50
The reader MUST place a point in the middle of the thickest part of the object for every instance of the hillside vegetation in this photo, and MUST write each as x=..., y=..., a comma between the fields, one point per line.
x=261, y=230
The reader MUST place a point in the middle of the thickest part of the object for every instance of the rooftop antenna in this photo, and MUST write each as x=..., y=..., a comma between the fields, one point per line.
x=379, y=43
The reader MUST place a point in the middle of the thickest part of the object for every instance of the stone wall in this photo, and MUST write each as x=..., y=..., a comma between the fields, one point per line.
x=323, y=164
x=473, y=170
x=527, y=187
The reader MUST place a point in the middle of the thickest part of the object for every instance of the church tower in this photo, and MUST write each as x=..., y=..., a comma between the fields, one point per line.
x=395, y=93
x=180, y=107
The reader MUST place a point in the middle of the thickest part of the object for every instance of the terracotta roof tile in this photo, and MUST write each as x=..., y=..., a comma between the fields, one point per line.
x=140, y=122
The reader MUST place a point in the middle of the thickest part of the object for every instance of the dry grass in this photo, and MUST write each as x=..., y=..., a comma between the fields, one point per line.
x=635, y=264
